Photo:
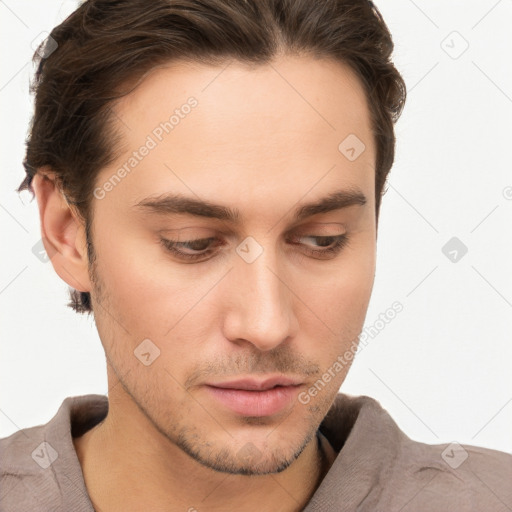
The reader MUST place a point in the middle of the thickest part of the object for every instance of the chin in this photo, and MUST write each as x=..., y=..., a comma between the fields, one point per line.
x=247, y=460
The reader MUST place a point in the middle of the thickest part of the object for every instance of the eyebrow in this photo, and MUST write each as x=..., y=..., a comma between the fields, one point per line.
x=168, y=204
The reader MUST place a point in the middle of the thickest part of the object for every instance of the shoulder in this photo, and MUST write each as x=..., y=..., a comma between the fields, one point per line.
x=21, y=451
x=39, y=468
x=450, y=476
x=25, y=477
x=379, y=468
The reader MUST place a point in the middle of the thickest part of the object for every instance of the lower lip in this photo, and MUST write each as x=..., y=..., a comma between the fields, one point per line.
x=254, y=403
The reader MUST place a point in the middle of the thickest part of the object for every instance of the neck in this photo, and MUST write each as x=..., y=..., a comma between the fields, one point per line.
x=129, y=466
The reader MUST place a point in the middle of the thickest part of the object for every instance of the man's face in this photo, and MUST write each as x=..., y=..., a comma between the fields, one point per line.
x=259, y=294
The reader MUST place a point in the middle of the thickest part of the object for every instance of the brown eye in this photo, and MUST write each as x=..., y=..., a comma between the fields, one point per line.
x=188, y=249
x=328, y=246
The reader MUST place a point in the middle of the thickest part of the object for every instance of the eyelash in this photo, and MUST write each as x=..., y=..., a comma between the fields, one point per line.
x=340, y=241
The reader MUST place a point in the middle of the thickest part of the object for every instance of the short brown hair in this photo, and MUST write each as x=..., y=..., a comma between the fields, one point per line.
x=105, y=46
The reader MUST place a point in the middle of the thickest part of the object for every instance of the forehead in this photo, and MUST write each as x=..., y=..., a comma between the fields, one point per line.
x=323, y=93
x=252, y=125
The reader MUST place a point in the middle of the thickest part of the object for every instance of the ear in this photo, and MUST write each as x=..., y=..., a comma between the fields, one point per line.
x=62, y=231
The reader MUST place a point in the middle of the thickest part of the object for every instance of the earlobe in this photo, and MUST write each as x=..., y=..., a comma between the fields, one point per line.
x=62, y=232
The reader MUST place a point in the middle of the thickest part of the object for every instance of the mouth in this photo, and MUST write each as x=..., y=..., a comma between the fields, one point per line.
x=250, y=397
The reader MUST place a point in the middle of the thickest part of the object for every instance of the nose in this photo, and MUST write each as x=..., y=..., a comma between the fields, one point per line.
x=260, y=307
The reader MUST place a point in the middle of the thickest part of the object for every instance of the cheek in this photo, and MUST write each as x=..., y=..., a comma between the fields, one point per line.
x=333, y=337
x=141, y=283
x=148, y=297
x=353, y=293
x=340, y=297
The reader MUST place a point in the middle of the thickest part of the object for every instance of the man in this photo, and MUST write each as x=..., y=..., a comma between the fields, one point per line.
x=209, y=177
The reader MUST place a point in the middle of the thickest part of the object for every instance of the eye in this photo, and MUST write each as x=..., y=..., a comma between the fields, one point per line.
x=182, y=249
x=324, y=247
x=329, y=246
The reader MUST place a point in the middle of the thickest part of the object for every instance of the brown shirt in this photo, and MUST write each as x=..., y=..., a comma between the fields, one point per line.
x=377, y=467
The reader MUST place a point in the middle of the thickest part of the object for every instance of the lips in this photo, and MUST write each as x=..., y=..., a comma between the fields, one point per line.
x=257, y=385
x=256, y=398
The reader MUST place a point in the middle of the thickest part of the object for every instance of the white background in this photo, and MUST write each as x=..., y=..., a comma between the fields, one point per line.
x=442, y=366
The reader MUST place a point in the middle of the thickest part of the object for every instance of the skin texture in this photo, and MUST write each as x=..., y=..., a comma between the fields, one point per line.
x=263, y=140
